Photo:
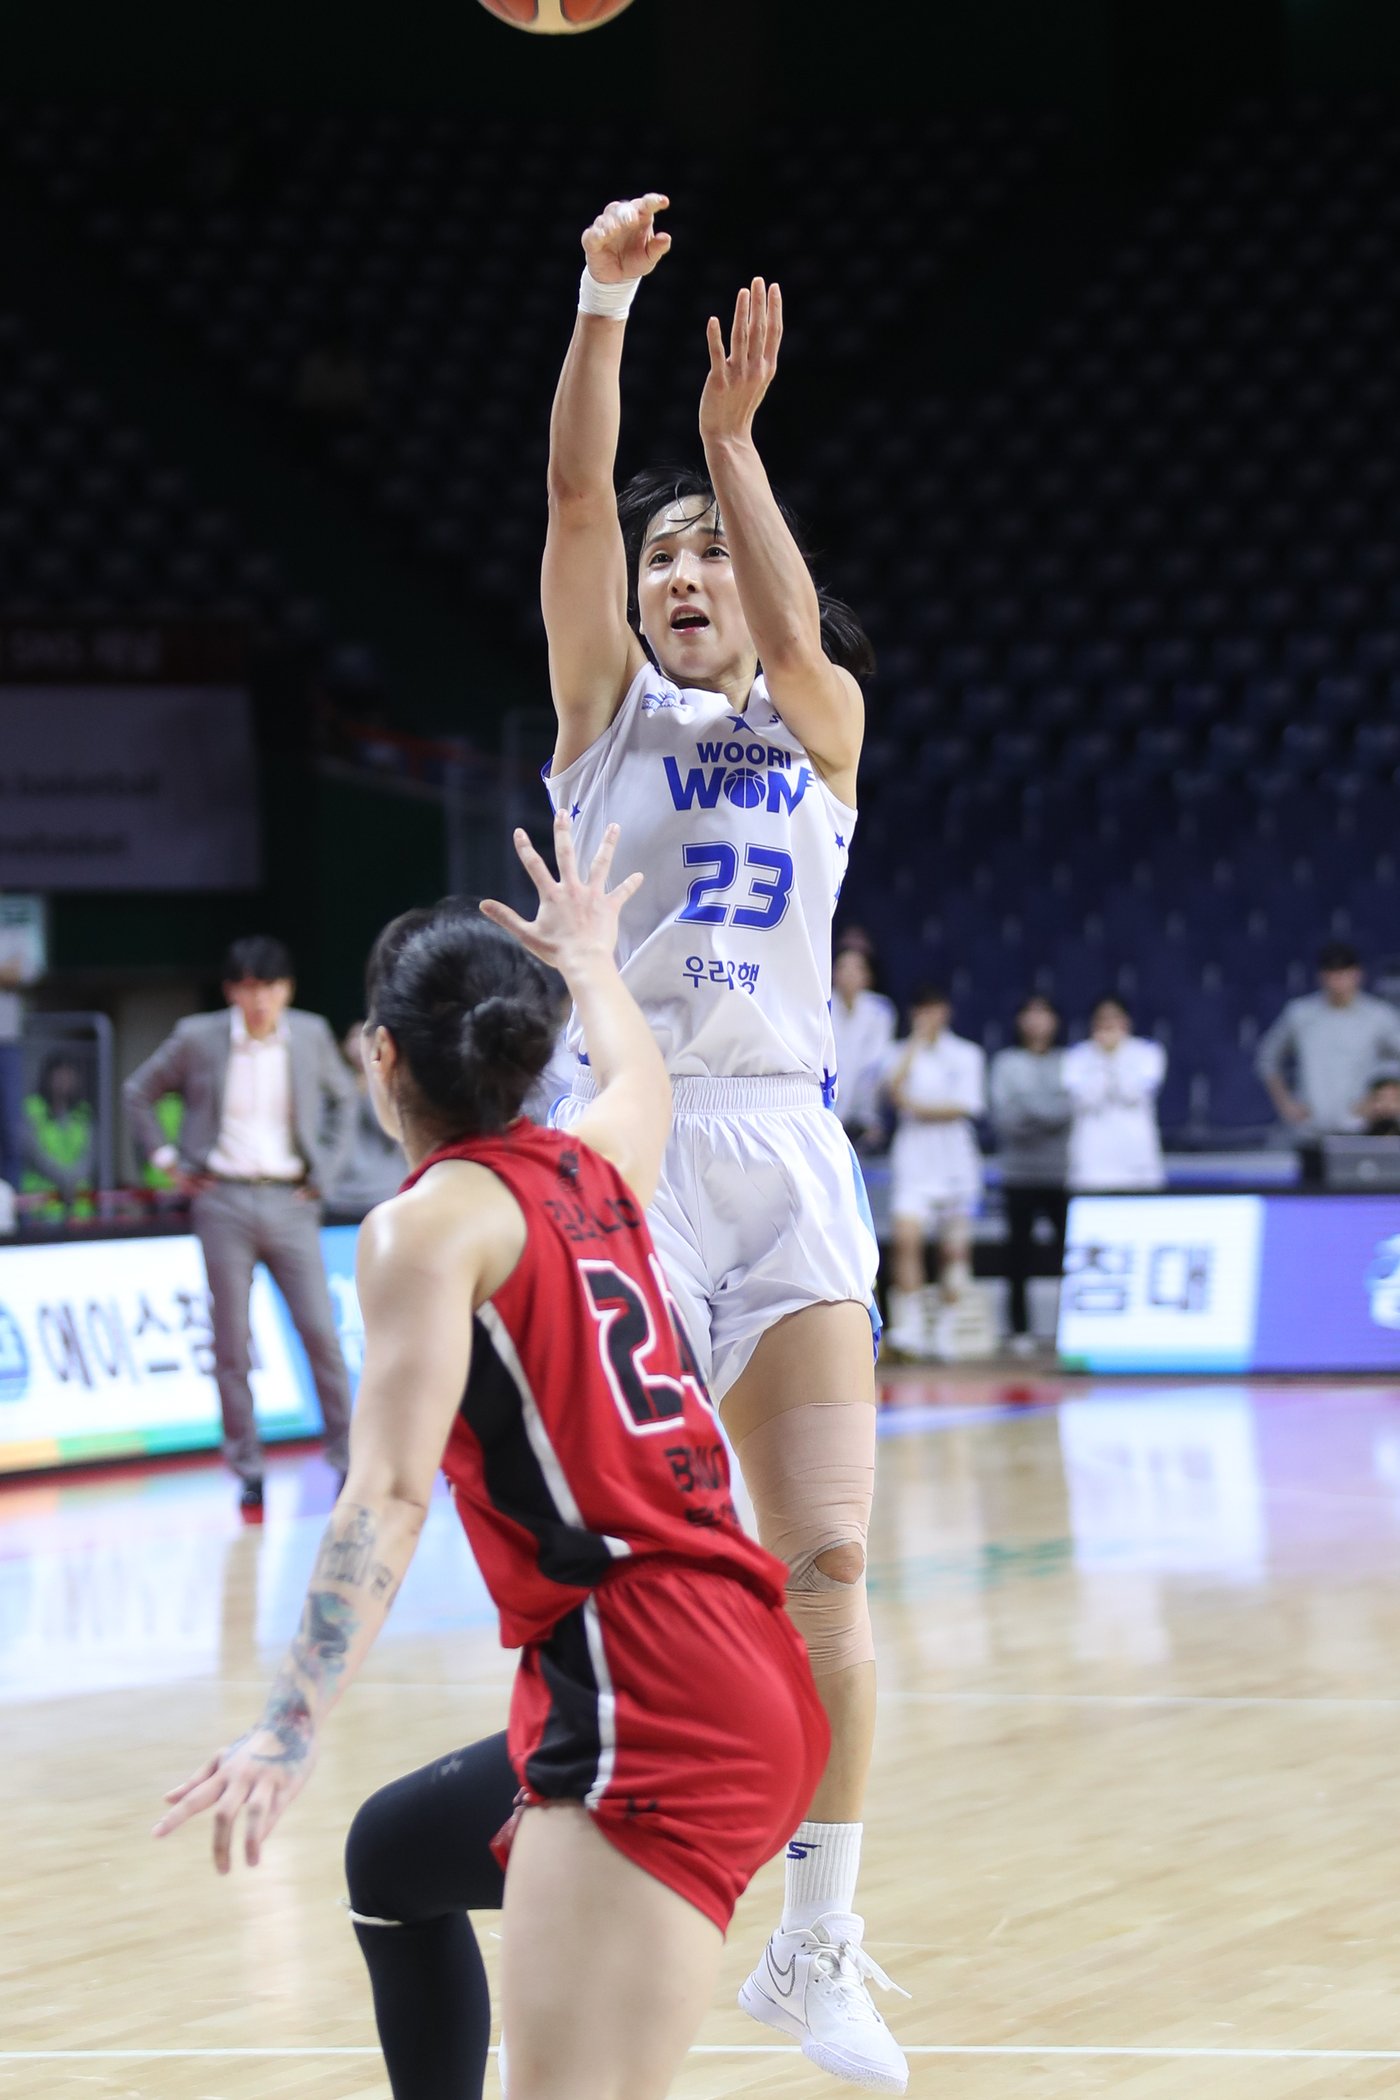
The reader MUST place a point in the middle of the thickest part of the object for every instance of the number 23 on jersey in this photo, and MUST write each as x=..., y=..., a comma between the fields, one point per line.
x=766, y=899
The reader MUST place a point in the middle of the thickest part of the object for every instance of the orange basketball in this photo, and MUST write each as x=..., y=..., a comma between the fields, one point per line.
x=555, y=17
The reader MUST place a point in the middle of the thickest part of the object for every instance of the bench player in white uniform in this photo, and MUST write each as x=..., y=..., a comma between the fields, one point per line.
x=735, y=790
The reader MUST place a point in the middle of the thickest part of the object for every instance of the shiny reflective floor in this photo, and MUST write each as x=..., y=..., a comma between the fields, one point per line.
x=1132, y=1824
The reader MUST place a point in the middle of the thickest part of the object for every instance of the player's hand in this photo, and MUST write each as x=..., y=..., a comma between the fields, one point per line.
x=257, y=1777
x=740, y=377
x=623, y=243
x=577, y=920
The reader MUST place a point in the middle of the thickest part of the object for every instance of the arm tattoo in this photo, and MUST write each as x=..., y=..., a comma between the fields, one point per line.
x=330, y=1623
x=328, y=1626
x=288, y=1717
x=345, y=1556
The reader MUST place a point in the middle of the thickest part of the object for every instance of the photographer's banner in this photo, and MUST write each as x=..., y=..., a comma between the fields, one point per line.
x=127, y=788
x=106, y=1351
x=1231, y=1283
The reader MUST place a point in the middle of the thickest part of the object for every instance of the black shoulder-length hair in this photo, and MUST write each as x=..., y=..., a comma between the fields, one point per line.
x=658, y=488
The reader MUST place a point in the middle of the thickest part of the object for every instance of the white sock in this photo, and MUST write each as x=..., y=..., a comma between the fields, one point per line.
x=820, y=1869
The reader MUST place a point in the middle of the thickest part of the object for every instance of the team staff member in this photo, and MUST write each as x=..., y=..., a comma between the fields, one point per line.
x=268, y=1124
x=1032, y=1113
x=1113, y=1079
x=519, y=1333
x=1329, y=1043
x=937, y=1082
x=863, y=1023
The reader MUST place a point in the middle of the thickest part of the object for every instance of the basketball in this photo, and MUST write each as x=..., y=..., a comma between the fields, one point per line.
x=555, y=17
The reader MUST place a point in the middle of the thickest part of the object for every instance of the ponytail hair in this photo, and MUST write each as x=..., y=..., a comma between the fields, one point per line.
x=472, y=1014
x=844, y=640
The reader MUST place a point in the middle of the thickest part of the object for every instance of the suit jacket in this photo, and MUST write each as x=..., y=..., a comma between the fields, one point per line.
x=193, y=1062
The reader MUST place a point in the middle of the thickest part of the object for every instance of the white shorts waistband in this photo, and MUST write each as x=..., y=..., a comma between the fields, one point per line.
x=729, y=1097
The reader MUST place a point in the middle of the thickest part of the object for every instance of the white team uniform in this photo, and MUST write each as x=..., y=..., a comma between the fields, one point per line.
x=761, y=1208
x=863, y=1032
x=936, y=1168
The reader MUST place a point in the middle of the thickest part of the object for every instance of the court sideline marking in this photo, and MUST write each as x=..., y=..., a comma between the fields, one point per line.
x=1243, y=1700
x=1018, y=2049
x=12, y=1695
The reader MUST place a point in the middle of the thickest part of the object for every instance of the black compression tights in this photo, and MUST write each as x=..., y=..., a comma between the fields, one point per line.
x=419, y=1853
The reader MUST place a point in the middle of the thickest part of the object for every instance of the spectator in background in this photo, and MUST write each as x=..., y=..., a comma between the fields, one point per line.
x=1113, y=1079
x=60, y=1139
x=269, y=1117
x=1318, y=1058
x=936, y=1084
x=1032, y=1113
x=169, y=1116
x=863, y=1023
x=374, y=1166
x=20, y=966
x=1380, y=1111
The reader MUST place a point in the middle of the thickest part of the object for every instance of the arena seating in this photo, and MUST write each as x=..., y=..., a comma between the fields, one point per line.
x=263, y=239
x=1141, y=725
x=1136, y=594
x=94, y=523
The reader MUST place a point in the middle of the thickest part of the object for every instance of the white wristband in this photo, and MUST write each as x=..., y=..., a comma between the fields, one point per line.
x=613, y=301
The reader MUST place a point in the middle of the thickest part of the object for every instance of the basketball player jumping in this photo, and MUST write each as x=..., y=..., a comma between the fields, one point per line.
x=519, y=1332
x=706, y=698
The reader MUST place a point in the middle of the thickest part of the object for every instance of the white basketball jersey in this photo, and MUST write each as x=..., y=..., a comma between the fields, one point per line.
x=727, y=945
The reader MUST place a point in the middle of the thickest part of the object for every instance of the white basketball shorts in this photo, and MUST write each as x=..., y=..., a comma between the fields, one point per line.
x=932, y=1204
x=761, y=1210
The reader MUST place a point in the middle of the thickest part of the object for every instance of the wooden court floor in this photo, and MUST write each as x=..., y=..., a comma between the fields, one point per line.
x=1133, y=1825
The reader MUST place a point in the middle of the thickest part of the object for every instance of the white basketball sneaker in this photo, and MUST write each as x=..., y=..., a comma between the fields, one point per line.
x=906, y=1333
x=814, y=1985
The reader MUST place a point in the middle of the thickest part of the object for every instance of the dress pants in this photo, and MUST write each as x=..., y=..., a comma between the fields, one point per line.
x=240, y=1224
x=1025, y=1206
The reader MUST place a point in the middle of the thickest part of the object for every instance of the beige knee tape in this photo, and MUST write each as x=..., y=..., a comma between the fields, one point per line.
x=811, y=1474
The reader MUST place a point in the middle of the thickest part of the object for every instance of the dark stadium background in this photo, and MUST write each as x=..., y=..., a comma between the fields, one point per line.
x=1088, y=401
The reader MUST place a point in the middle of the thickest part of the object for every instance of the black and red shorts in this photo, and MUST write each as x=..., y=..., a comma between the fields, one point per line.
x=677, y=1705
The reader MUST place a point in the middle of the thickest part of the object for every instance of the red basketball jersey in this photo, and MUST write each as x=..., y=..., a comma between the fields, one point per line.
x=584, y=1437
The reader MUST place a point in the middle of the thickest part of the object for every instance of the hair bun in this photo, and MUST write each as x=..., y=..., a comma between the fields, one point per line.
x=473, y=1013
x=503, y=1031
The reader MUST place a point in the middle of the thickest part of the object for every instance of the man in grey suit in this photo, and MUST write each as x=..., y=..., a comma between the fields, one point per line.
x=269, y=1120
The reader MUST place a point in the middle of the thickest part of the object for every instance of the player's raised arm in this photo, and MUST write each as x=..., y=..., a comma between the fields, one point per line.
x=593, y=653
x=576, y=934
x=816, y=698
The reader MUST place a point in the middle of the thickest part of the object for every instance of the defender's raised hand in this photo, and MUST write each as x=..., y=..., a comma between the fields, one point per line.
x=577, y=919
x=623, y=243
x=740, y=377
